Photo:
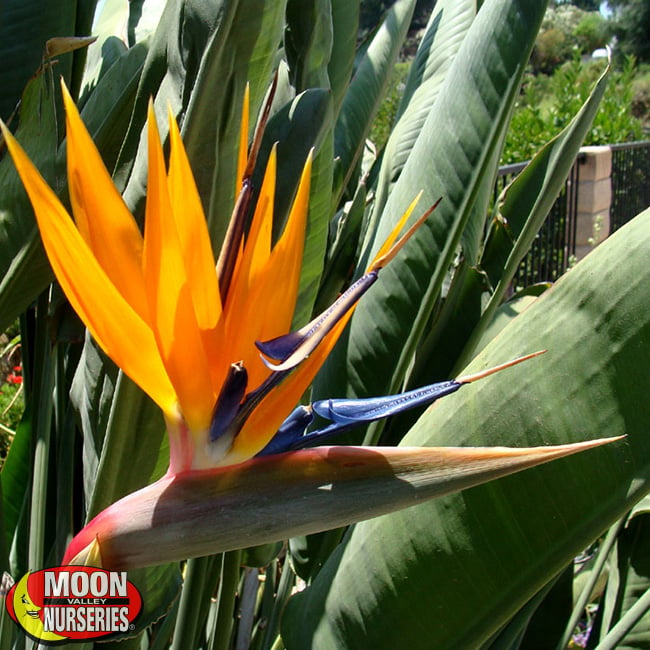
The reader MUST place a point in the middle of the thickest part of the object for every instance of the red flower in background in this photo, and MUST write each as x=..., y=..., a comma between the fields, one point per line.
x=15, y=376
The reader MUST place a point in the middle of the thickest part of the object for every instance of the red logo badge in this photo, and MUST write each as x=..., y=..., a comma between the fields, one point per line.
x=74, y=603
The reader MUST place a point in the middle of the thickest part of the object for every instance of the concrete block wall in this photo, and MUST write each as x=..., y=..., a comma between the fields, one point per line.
x=594, y=198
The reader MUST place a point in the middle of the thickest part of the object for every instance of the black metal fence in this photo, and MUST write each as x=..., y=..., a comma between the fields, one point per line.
x=630, y=182
x=555, y=243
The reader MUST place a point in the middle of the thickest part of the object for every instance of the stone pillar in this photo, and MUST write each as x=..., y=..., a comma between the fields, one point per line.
x=594, y=199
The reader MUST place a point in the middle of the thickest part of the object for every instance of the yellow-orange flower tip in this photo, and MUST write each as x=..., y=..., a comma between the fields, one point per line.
x=89, y=555
x=116, y=325
x=389, y=248
x=291, y=349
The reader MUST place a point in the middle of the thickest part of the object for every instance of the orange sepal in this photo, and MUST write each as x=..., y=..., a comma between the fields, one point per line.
x=170, y=297
x=100, y=213
x=116, y=327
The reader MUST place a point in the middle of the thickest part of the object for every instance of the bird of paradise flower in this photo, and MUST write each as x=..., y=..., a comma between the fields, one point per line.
x=190, y=336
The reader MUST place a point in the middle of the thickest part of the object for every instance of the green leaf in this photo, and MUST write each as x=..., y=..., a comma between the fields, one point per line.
x=15, y=477
x=450, y=159
x=444, y=35
x=308, y=42
x=296, y=128
x=451, y=573
x=553, y=608
x=116, y=88
x=367, y=89
x=25, y=26
x=122, y=429
x=509, y=310
x=345, y=25
x=23, y=266
x=262, y=555
x=511, y=637
x=525, y=204
x=628, y=583
x=200, y=578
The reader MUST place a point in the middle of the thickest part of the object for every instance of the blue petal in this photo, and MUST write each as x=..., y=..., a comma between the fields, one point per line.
x=228, y=403
x=291, y=431
x=293, y=348
x=351, y=411
x=346, y=413
x=313, y=437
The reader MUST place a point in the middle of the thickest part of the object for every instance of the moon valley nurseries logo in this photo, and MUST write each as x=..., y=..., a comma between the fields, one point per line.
x=73, y=603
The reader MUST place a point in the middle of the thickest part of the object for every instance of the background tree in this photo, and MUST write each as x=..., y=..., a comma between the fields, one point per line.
x=631, y=26
x=592, y=32
x=587, y=5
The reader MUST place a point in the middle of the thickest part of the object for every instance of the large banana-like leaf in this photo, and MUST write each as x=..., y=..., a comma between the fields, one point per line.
x=345, y=24
x=451, y=573
x=627, y=587
x=445, y=33
x=308, y=42
x=522, y=208
x=449, y=160
x=525, y=204
x=24, y=270
x=25, y=26
x=367, y=90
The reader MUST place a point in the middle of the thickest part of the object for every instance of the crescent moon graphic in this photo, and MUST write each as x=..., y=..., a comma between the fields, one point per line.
x=27, y=614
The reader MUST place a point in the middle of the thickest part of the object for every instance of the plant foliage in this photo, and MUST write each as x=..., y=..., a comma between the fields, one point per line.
x=468, y=569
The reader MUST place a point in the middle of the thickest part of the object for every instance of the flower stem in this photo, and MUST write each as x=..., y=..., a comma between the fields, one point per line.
x=42, y=423
x=187, y=620
x=226, y=601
